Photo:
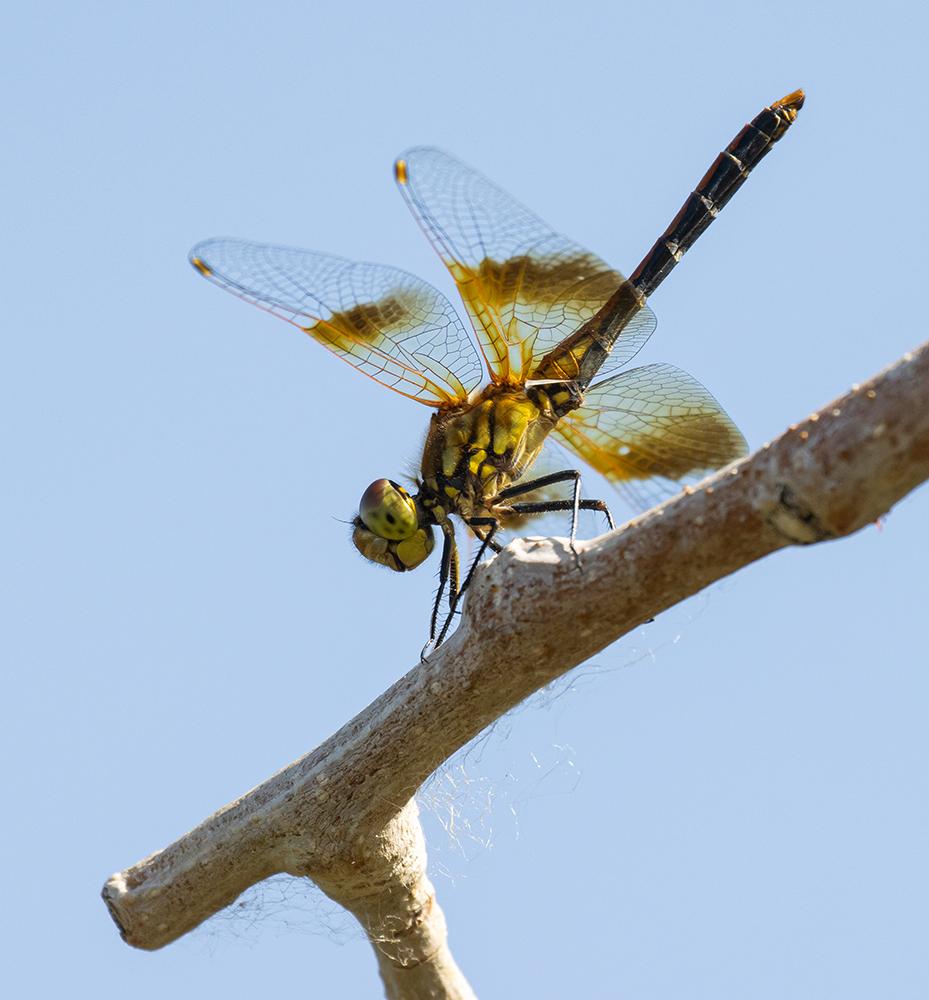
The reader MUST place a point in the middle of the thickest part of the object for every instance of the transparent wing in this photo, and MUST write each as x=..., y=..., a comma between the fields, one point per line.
x=650, y=430
x=525, y=286
x=388, y=324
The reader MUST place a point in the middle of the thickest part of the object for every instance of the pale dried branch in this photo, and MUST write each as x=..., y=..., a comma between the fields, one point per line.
x=343, y=814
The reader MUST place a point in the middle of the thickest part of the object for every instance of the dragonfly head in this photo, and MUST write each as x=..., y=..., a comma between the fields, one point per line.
x=387, y=529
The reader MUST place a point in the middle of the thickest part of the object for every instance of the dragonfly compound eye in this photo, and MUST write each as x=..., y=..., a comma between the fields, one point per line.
x=389, y=511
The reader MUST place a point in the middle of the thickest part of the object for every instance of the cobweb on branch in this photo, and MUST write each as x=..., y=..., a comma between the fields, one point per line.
x=281, y=904
x=474, y=800
x=467, y=806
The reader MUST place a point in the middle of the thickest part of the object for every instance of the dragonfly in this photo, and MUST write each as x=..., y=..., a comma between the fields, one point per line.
x=551, y=322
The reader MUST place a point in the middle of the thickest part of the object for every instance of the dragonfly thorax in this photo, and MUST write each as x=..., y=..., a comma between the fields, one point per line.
x=472, y=452
x=475, y=450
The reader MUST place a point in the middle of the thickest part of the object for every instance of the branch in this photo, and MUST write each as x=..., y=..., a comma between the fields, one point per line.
x=343, y=814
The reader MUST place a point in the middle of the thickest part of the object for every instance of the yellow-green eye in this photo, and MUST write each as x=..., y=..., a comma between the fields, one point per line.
x=389, y=511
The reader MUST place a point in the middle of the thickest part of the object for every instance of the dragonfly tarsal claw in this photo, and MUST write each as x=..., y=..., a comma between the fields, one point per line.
x=577, y=556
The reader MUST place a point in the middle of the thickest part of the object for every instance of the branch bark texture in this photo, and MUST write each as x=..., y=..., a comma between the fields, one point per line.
x=344, y=814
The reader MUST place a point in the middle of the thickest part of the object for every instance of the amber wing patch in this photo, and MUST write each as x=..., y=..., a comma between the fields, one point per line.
x=650, y=430
x=388, y=324
x=525, y=286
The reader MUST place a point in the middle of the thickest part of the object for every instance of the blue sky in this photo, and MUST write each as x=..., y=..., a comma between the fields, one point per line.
x=732, y=802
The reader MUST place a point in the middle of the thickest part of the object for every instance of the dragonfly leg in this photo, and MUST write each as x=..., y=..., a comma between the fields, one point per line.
x=574, y=505
x=575, y=511
x=448, y=575
x=486, y=542
x=528, y=486
x=443, y=579
x=569, y=475
x=601, y=506
x=491, y=542
x=547, y=506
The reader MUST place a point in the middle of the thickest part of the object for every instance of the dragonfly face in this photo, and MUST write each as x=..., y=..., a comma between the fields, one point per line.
x=549, y=321
x=389, y=529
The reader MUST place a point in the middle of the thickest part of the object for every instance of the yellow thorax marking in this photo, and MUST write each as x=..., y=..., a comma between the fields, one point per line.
x=477, y=457
x=450, y=456
x=513, y=416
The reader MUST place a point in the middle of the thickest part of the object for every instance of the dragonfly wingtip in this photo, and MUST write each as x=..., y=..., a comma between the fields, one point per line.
x=200, y=265
x=400, y=171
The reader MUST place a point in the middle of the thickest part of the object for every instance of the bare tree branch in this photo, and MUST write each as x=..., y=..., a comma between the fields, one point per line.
x=343, y=815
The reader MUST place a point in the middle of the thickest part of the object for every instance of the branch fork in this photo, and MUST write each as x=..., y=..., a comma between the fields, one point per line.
x=344, y=815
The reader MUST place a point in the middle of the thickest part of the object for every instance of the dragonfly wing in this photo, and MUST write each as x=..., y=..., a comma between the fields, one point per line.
x=388, y=324
x=650, y=430
x=526, y=287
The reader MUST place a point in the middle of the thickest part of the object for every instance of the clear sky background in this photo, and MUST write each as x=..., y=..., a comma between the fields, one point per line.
x=733, y=802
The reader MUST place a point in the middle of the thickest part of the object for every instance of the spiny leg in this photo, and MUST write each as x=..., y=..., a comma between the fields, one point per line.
x=448, y=574
x=443, y=579
x=455, y=569
x=547, y=506
x=569, y=475
x=575, y=513
x=486, y=542
x=455, y=593
x=493, y=526
x=491, y=542
x=529, y=485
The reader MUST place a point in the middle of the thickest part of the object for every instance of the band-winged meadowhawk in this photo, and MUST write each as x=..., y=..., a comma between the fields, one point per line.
x=549, y=317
